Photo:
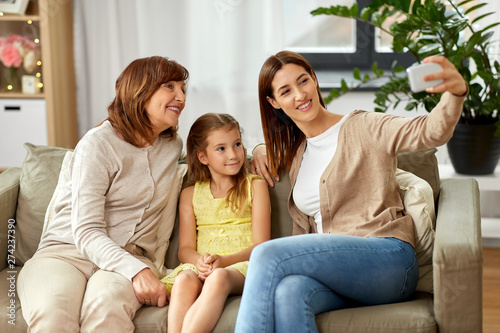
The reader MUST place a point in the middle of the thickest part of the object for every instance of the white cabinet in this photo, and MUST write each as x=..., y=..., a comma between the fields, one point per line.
x=21, y=120
x=51, y=23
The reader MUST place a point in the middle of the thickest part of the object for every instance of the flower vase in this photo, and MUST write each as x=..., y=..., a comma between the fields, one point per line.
x=11, y=79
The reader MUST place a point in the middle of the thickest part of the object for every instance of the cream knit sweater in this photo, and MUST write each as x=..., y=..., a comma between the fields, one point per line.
x=115, y=200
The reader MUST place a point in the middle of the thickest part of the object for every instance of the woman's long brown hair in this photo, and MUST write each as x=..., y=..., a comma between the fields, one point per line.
x=134, y=88
x=281, y=135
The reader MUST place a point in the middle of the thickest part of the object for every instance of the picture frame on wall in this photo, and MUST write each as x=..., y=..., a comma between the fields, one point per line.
x=14, y=6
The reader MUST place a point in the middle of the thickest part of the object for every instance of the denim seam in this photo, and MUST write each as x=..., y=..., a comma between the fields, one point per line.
x=309, y=304
x=405, y=284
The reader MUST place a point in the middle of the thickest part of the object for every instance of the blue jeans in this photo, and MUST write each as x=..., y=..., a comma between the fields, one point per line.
x=291, y=279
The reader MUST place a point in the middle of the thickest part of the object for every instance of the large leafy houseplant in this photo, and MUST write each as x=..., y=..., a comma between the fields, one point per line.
x=426, y=28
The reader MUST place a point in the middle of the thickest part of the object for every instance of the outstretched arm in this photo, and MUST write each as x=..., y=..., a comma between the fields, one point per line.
x=424, y=132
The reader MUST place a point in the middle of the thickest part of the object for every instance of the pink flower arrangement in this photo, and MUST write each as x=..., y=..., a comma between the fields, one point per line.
x=18, y=50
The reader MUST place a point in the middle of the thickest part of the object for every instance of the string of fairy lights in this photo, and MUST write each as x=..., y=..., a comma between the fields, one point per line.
x=38, y=71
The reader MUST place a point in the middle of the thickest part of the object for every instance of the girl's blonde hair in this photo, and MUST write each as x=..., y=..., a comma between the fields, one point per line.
x=199, y=172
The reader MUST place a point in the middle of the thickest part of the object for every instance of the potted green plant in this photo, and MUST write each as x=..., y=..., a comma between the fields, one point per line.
x=430, y=28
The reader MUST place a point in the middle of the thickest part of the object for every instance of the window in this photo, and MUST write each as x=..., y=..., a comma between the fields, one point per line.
x=305, y=33
x=337, y=44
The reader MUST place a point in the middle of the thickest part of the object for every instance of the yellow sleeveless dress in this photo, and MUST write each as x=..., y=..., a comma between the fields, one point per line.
x=219, y=229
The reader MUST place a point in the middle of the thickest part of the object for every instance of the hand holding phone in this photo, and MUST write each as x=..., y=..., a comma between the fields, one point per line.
x=416, y=75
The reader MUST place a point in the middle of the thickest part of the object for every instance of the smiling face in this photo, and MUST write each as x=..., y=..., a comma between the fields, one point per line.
x=295, y=92
x=166, y=105
x=224, y=153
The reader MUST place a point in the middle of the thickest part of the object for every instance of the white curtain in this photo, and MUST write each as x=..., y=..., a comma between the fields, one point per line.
x=493, y=6
x=223, y=44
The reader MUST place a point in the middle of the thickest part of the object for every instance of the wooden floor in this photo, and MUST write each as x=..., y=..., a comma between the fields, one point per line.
x=491, y=290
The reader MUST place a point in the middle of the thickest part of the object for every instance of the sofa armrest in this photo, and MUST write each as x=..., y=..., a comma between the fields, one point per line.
x=9, y=190
x=457, y=258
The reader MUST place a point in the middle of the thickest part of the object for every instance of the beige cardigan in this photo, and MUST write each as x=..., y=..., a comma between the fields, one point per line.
x=358, y=189
x=114, y=203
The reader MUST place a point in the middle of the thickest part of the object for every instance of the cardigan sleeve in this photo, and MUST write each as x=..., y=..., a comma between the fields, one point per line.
x=401, y=134
x=92, y=173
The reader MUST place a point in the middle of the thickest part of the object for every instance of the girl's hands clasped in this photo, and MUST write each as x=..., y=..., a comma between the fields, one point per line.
x=206, y=264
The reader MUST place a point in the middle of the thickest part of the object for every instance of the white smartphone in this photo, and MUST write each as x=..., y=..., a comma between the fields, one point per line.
x=416, y=75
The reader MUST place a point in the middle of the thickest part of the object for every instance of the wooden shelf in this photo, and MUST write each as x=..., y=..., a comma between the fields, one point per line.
x=21, y=95
x=19, y=18
x=52, y=23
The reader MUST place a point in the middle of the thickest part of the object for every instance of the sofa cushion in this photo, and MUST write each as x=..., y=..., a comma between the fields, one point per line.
x=58, y=192
x=166, y=227
x=281, y=221
x=415, y=316
x=418, y=201
x=11, y=319
x=9, y=191
x=39, y=175
x=422, y=164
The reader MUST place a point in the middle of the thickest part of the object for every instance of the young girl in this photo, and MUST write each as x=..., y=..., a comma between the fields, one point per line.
x=222, y=217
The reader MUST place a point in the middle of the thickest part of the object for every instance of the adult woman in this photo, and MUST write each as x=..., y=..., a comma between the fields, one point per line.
x=94, y=266
x=344, y=188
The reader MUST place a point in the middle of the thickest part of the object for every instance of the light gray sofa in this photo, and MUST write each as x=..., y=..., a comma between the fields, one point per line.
x=454, y=306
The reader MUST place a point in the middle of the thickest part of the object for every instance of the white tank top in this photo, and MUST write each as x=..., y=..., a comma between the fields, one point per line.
x=317, y=155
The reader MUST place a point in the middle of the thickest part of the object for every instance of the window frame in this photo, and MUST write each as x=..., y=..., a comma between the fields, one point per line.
x=364, y=56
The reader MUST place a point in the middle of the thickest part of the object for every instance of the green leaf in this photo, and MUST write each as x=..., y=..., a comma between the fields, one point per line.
x=455, y=26
x=334, y=93
x=356, y=74
x=411, y=105
x=416, y=5
x=365, y=14
x=490, y=26
x=473, y=8
x=377, y=19
x=343, y=86
x=480, y=17
x=342, y=11
x=354, y=10
x=375, y=67
x=399, y=69
x=430, y=49
x=427, y=38
x=464, y=2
